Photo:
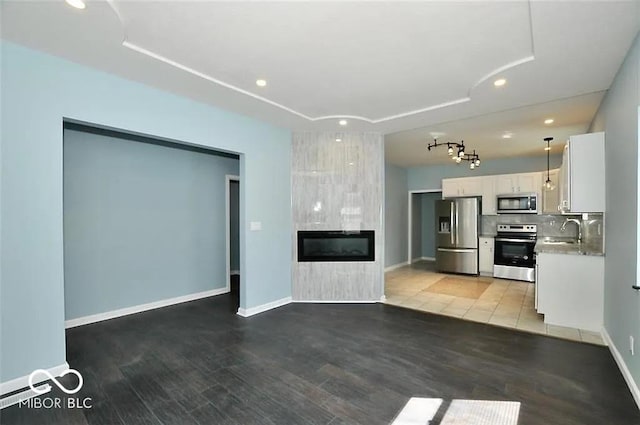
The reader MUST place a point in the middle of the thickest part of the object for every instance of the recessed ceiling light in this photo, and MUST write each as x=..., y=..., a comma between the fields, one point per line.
x=78, y=4
x=342, y=122
x=261, y=83
x=338, y=139
x=500, y=82
x=351, y=163
x=507, y=135
x=548, y=121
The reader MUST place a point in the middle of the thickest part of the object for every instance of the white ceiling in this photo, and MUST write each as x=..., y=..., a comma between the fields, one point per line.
x=386, y=66
x=484, y=132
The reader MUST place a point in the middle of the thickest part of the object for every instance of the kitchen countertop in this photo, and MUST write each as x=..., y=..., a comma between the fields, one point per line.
x=584, y=248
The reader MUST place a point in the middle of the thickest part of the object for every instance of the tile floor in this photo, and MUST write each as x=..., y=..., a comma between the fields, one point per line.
x=504, y=303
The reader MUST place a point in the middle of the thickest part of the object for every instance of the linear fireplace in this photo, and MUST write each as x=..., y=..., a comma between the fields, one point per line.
x=316, y=245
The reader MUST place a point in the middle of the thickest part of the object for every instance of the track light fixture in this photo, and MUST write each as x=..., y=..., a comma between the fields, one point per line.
x=460, y=154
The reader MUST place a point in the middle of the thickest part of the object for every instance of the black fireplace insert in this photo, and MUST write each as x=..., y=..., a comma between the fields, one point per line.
x=318, y=245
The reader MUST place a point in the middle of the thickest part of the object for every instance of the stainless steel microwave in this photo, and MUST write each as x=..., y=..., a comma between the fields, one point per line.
x=517, y=203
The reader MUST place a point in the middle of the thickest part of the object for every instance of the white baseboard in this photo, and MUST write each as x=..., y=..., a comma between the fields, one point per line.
x=246, y=312
x=631, y=383
x=413, y=260
x=396, y=266
x=337, y=301
x=85, y=320
x=383, y=299
x=23, y=381
x=428, y=258
x=234, y=272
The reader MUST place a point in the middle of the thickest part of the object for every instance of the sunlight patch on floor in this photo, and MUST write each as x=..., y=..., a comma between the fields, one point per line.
x=421, y=411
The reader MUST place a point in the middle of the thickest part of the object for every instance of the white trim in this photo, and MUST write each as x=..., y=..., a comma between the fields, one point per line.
x=214, y=80
x=85, y=320
x=383, y=299
x=396, y=266
x=628, y=377
x=428, y=258
x=637, y=282
x=23, y=381
x=234, y=273
x=409, y=225
x=247, y=312
x=413, y=260
x=137, y=48
x=228, y=178
x=23, y=396
x=337, y=301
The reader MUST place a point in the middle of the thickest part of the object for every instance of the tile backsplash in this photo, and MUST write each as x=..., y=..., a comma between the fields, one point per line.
x=549, y=225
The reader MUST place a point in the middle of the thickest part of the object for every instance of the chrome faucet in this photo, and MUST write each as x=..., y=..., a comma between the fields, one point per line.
x=578, y=223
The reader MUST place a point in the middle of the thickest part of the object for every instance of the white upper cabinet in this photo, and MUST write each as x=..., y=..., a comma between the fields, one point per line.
x=506, y=183
x=469, y=186
x=529, y=183
x=582, y=174
x=488, y=195
x=518, y=183
x=489, y=186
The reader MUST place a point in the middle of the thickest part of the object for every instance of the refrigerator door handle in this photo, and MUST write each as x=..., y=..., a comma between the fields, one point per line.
x=457, y=249
x=457, y=242
x=452, y=223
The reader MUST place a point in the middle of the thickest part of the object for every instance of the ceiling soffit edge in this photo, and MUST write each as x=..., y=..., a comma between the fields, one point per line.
x=139, y=49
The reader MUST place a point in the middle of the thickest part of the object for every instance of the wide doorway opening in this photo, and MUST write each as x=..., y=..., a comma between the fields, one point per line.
x=144, y=223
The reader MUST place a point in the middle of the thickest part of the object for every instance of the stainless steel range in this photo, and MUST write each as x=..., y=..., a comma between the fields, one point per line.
x=514, y=257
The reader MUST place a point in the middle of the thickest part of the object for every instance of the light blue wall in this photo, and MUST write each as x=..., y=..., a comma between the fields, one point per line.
x=142, y=222
x=618, y=117
x=395, y=215
x=38, y=91
x=428, y=223
x=430, y=177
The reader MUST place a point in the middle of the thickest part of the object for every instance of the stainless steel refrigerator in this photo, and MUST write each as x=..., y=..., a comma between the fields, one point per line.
x=457, y=223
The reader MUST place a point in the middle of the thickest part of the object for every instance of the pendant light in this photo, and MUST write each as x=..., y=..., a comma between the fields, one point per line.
x=548, y=185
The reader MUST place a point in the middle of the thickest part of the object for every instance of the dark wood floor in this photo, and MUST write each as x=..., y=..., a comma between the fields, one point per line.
x=198, y=363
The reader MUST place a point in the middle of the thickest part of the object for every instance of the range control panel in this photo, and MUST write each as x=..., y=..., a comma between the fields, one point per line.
x=517, y=228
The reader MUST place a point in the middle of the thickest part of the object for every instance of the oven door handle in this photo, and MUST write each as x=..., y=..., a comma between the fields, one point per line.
x=514, y=240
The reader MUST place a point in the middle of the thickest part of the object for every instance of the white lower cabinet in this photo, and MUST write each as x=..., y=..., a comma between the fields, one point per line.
x=485, y=253
x=570, y=290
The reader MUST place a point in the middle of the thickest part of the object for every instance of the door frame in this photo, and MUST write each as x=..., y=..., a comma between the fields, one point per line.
x=227, y=213
x=410, y=221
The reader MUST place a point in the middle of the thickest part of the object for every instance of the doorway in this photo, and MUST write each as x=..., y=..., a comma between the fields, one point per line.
x=143, y=222
x=421, y=225
x=233, y=239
